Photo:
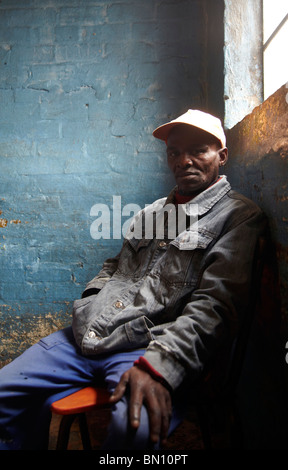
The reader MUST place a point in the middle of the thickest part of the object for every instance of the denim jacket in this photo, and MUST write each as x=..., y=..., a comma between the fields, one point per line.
x=180, y=297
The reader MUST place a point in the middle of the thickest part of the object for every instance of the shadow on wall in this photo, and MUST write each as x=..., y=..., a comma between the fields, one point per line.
x=258, y=168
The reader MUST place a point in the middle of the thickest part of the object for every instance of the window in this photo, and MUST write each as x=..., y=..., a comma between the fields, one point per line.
x=275, y=42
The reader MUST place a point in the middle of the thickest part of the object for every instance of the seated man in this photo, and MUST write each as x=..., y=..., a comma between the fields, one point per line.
x=156, y=313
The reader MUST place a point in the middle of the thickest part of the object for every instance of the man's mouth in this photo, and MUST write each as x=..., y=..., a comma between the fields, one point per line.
x=187, y=174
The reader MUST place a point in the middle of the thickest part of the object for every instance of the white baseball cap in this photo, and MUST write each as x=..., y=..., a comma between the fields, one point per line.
x=195, y=118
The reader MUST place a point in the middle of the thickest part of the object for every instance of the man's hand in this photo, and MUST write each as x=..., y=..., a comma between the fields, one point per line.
x=144, y=389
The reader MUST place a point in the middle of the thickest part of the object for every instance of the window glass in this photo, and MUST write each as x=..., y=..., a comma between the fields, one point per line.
x=275, y=42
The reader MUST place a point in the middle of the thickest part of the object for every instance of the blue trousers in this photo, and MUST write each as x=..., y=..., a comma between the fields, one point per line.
x=54, y=368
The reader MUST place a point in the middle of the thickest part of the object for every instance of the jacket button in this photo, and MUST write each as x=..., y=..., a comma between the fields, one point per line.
x=91, y=334
x=119, y=304
x=161, y=244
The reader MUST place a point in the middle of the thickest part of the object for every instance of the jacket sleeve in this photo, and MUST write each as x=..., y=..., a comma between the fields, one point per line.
x=215, y=307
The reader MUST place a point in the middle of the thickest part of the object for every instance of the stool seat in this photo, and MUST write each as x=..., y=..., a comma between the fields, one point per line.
x=74, y=406
x=81, y=401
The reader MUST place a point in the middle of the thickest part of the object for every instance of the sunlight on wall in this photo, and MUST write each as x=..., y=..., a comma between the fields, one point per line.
x=243, y=74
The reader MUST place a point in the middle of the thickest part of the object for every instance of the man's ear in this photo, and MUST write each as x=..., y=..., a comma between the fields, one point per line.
x=223, y=156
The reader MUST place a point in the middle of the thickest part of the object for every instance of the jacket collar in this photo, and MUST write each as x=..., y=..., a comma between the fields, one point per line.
x=205, y=200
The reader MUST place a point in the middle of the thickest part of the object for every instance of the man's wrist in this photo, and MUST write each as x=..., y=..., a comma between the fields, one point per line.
x=143, y=364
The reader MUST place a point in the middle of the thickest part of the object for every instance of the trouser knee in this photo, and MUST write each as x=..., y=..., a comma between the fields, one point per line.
x=120, y=433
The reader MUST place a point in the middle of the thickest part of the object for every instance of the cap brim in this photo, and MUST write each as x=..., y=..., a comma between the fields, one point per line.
x=162, y=132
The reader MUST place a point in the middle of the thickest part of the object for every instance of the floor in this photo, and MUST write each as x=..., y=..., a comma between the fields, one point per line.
x=187, y=437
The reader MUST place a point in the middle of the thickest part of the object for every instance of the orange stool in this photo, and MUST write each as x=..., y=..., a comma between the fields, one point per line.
x=76, y=405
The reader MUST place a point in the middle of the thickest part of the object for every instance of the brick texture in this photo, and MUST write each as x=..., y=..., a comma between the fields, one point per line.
x=82, y=86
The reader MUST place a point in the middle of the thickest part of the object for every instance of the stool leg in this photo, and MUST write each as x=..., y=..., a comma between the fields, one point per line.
x=84, y=432
x=64, y=431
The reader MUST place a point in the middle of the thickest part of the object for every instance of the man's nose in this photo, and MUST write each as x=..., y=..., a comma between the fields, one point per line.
x=184, y=160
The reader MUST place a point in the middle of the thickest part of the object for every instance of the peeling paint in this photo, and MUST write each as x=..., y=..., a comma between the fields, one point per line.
x=3, y=223
x=18, y=332
x=16, y=221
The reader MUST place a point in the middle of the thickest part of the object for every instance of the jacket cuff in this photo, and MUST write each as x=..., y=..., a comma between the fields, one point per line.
x=165, y=363
x=145, y=365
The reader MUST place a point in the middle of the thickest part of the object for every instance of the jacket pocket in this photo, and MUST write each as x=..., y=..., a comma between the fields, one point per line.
x=133, y=334
x=181, y=264
x=191, y=240
x=133, y=259
x=59, y=337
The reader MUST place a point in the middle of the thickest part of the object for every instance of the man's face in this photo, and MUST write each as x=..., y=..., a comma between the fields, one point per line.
x=194, y=156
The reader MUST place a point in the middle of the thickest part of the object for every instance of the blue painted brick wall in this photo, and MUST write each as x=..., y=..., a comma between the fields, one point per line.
x=82, y=86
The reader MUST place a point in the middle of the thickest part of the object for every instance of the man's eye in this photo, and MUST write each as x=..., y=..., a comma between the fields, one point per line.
x=172, y=154
x=198, y=151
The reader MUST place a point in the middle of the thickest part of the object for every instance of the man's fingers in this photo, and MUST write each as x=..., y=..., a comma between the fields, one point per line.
x=136, y=401
x=166, y=418
x=135, y=412
x=157, y=399
x=120, y=389
x=159, y=417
